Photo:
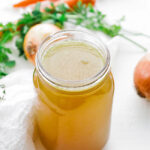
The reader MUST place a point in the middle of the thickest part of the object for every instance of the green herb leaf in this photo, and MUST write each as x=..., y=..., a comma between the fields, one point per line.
x=19, y=45
x=2, y=90
x=10, y=64
x=2, y=74
x=37, y=7
x=62, y=8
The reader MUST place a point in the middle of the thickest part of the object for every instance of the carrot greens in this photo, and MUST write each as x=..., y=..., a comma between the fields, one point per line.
x=81, y=14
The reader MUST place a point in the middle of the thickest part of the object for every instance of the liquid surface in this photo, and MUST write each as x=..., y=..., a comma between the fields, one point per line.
x=72, y=61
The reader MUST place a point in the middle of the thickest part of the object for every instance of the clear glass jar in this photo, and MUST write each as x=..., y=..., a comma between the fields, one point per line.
x=73, y=115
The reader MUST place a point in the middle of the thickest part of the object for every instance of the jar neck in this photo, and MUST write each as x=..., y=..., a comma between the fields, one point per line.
x=67, y=35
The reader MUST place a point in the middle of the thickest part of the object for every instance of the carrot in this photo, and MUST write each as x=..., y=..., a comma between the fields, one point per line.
x=25, y=3
x=71, y=3
x=89, y=1
x=1, y=33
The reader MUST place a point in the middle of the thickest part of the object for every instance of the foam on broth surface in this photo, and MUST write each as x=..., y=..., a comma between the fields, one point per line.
x=72, y=61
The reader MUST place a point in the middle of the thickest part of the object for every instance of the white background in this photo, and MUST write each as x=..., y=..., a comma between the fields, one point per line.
x=130, y=128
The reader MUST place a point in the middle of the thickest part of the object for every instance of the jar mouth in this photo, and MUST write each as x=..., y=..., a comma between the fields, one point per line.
x=69, y=35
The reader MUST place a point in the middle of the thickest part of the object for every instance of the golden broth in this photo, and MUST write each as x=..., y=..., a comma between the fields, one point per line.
x=73, y=119
x=72, y=61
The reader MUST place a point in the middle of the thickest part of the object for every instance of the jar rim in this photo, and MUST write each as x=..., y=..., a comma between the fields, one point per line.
x=69, y=83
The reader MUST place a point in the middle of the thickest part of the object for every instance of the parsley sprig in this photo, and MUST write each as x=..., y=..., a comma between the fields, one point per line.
x=2, y=92
x=7, y=32
x=81, y=14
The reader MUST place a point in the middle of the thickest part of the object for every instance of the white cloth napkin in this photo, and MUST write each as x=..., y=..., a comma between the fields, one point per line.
x=16, y=123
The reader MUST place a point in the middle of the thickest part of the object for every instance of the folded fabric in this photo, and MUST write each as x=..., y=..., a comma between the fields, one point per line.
x=16, y=123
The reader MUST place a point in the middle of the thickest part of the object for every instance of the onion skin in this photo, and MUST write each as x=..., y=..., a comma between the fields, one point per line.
x=34, y=38
x=142, y=77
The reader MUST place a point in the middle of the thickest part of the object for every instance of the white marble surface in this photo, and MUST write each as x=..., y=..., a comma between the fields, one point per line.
x=130, y=128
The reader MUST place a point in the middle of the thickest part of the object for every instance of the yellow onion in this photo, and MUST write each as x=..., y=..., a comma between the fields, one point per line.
x=34, y=38
x=142, y=77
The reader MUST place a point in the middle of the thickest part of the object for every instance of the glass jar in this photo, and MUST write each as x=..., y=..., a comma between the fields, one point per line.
x=73, y=115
